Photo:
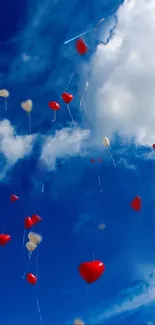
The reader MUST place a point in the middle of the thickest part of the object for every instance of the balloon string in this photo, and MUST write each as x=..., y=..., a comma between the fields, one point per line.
x=111, y=157
x=29, y=120
x=23, y=275
x=39, y=310
x=26, y=267
x=70, y=79
x=100, y=185
x=111, y=149
x=83, y=106
x=24, y=236
x=55, y=116
x=37, y=266
x=6, y=105
x=43, y=187
x=29, y=255
x=70, y=113
x=37, y=274
x=81, y=102
x=72, y=39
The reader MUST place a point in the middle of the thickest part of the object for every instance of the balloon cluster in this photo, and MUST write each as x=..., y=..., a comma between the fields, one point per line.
x=34, y=238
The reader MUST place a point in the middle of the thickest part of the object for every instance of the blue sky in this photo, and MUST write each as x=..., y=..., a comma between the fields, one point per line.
x=119, y=103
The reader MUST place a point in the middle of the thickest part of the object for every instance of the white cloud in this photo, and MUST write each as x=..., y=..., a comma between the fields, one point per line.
x=121, y=93
x=65, y=143
x=14, y=147
x=141, y=300
x=137, y=296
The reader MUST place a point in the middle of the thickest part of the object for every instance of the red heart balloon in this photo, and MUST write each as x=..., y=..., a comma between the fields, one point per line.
x=28, y=223
x=153, y=146
x=91, y=271
x=67, y=97
x=81, y=46
x=136, y=203
x=35, y=218
x=4, y=239
x=54, y=105
x=31, y=278
x=14, y=198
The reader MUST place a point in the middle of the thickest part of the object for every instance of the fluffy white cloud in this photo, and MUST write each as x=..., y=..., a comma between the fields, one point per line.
x=12, y=146
x=121, y=93
x=65, y=143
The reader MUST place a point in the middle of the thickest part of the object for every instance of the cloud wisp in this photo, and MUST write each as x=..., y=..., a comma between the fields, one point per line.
x=137, y=296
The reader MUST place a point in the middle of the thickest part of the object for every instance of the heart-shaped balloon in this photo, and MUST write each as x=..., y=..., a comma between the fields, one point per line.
x=31, y=278
x=106, y=142
x=54, y=106
x=4, y=93
x=31, y=246
x=101, y=226
x=81, y=46
x=35, y=238
x=28, y=223
x=136, y=203
x=91, y=271
x=14, y=198
x=67, y=97
x=78, y=321
x=27, y=106
x=4, y=239
x=35, y=218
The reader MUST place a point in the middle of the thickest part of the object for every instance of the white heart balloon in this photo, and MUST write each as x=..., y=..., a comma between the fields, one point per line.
x=31, y=246
x=102, y=226
x=27, y=106
x=78, y=322
x=35, y=238
x=106, y=142
x=4, y=93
